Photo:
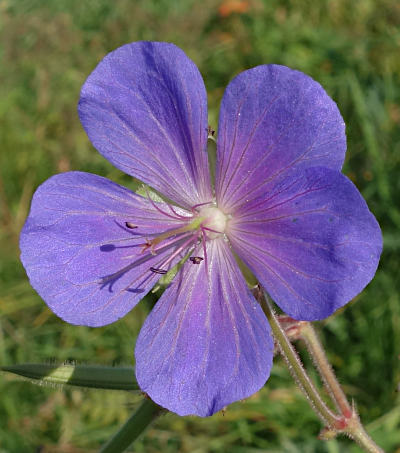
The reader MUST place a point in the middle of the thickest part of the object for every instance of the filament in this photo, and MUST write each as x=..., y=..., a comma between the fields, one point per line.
x=184, y=246
x=176, y=217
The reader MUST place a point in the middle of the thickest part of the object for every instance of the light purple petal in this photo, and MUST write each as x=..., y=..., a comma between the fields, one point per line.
x=273, y=119
x=311, y=242
x=80, y=256
x=207, y=342
x=144, y=108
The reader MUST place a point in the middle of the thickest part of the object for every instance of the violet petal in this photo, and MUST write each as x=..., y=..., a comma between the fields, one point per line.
x=144, y=108
x=80, y=256
x=273, y=119
x=207, y=342
x=311, y=242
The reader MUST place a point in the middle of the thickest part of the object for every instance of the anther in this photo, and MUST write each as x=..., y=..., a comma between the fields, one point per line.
x=130, y=225
x=196, y=259
x=210, y=131
x=158, y=271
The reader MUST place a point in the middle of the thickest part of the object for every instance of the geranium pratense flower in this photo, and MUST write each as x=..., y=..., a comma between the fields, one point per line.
x=93, y=249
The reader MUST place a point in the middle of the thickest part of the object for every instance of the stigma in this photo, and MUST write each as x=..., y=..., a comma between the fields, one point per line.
x=215, y=221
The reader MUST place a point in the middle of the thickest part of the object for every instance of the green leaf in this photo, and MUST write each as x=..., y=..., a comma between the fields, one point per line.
x=93, y=376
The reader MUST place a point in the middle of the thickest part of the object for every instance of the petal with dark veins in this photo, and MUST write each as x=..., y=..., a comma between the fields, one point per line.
x=311, y=241
x=273, y=119
x=207, y=342
x=144, y=108
x=80, y=256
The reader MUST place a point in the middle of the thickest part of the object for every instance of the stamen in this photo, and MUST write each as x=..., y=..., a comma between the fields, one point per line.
x=183, y=246
x=158, y=271
x=192, y=226
x=146, y=246
x=172, y=241
x=214, y=231
x=177, y=217
x=203, y=243
x=194, y=208
x=130, y=225
x=196, y=259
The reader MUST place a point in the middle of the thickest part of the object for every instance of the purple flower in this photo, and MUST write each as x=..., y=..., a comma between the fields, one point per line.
x=93, y=249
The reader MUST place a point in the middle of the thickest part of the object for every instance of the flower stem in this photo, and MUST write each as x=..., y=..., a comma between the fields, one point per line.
x=147, y=412
x=295, y=366
x=348, y=422
x=356, y=431
x=316, y=351
x=353, y=426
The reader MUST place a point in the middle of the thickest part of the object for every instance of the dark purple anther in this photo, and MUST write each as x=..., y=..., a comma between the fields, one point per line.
x=196, y=259
x=130, y=225
x=158, y=271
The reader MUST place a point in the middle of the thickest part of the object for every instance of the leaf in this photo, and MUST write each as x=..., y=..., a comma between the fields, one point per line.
x=93, y=376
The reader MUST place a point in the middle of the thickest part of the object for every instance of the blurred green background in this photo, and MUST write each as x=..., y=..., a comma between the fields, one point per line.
x=47, y=49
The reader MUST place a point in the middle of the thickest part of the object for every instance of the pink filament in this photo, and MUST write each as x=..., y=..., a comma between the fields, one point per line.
x=185, y=245
x=193, y=208
x=175, y=217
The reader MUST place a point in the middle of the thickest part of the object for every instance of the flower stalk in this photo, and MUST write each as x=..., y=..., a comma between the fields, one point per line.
x=347, y=421
x=295, y=366
x=316, y=351
x=136, y=424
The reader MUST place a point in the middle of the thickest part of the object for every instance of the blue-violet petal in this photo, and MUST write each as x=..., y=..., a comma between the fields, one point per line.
x=144, y=108
x=207, y=342
x=273, y=119
x=79, y=253
x=311, y=242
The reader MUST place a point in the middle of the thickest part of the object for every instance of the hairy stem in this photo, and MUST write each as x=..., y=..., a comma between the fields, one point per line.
x=316, y=351
x=348, y=421
x=296, y=367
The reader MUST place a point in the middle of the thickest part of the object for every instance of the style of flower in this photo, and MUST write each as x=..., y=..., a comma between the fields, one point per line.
x=93, y=249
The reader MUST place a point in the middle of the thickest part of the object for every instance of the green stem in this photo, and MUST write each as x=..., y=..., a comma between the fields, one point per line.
x=353, y=426
x=356, y=431
x=147, y=412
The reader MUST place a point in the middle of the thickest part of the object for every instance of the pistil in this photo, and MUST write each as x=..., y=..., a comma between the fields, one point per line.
x=215, y=221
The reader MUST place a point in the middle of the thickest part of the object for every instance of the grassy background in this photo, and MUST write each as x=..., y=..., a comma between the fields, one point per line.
x=47, y=49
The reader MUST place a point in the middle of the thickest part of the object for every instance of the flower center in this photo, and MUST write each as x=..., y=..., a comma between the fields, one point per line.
x=214, y=221
x=206, y=223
